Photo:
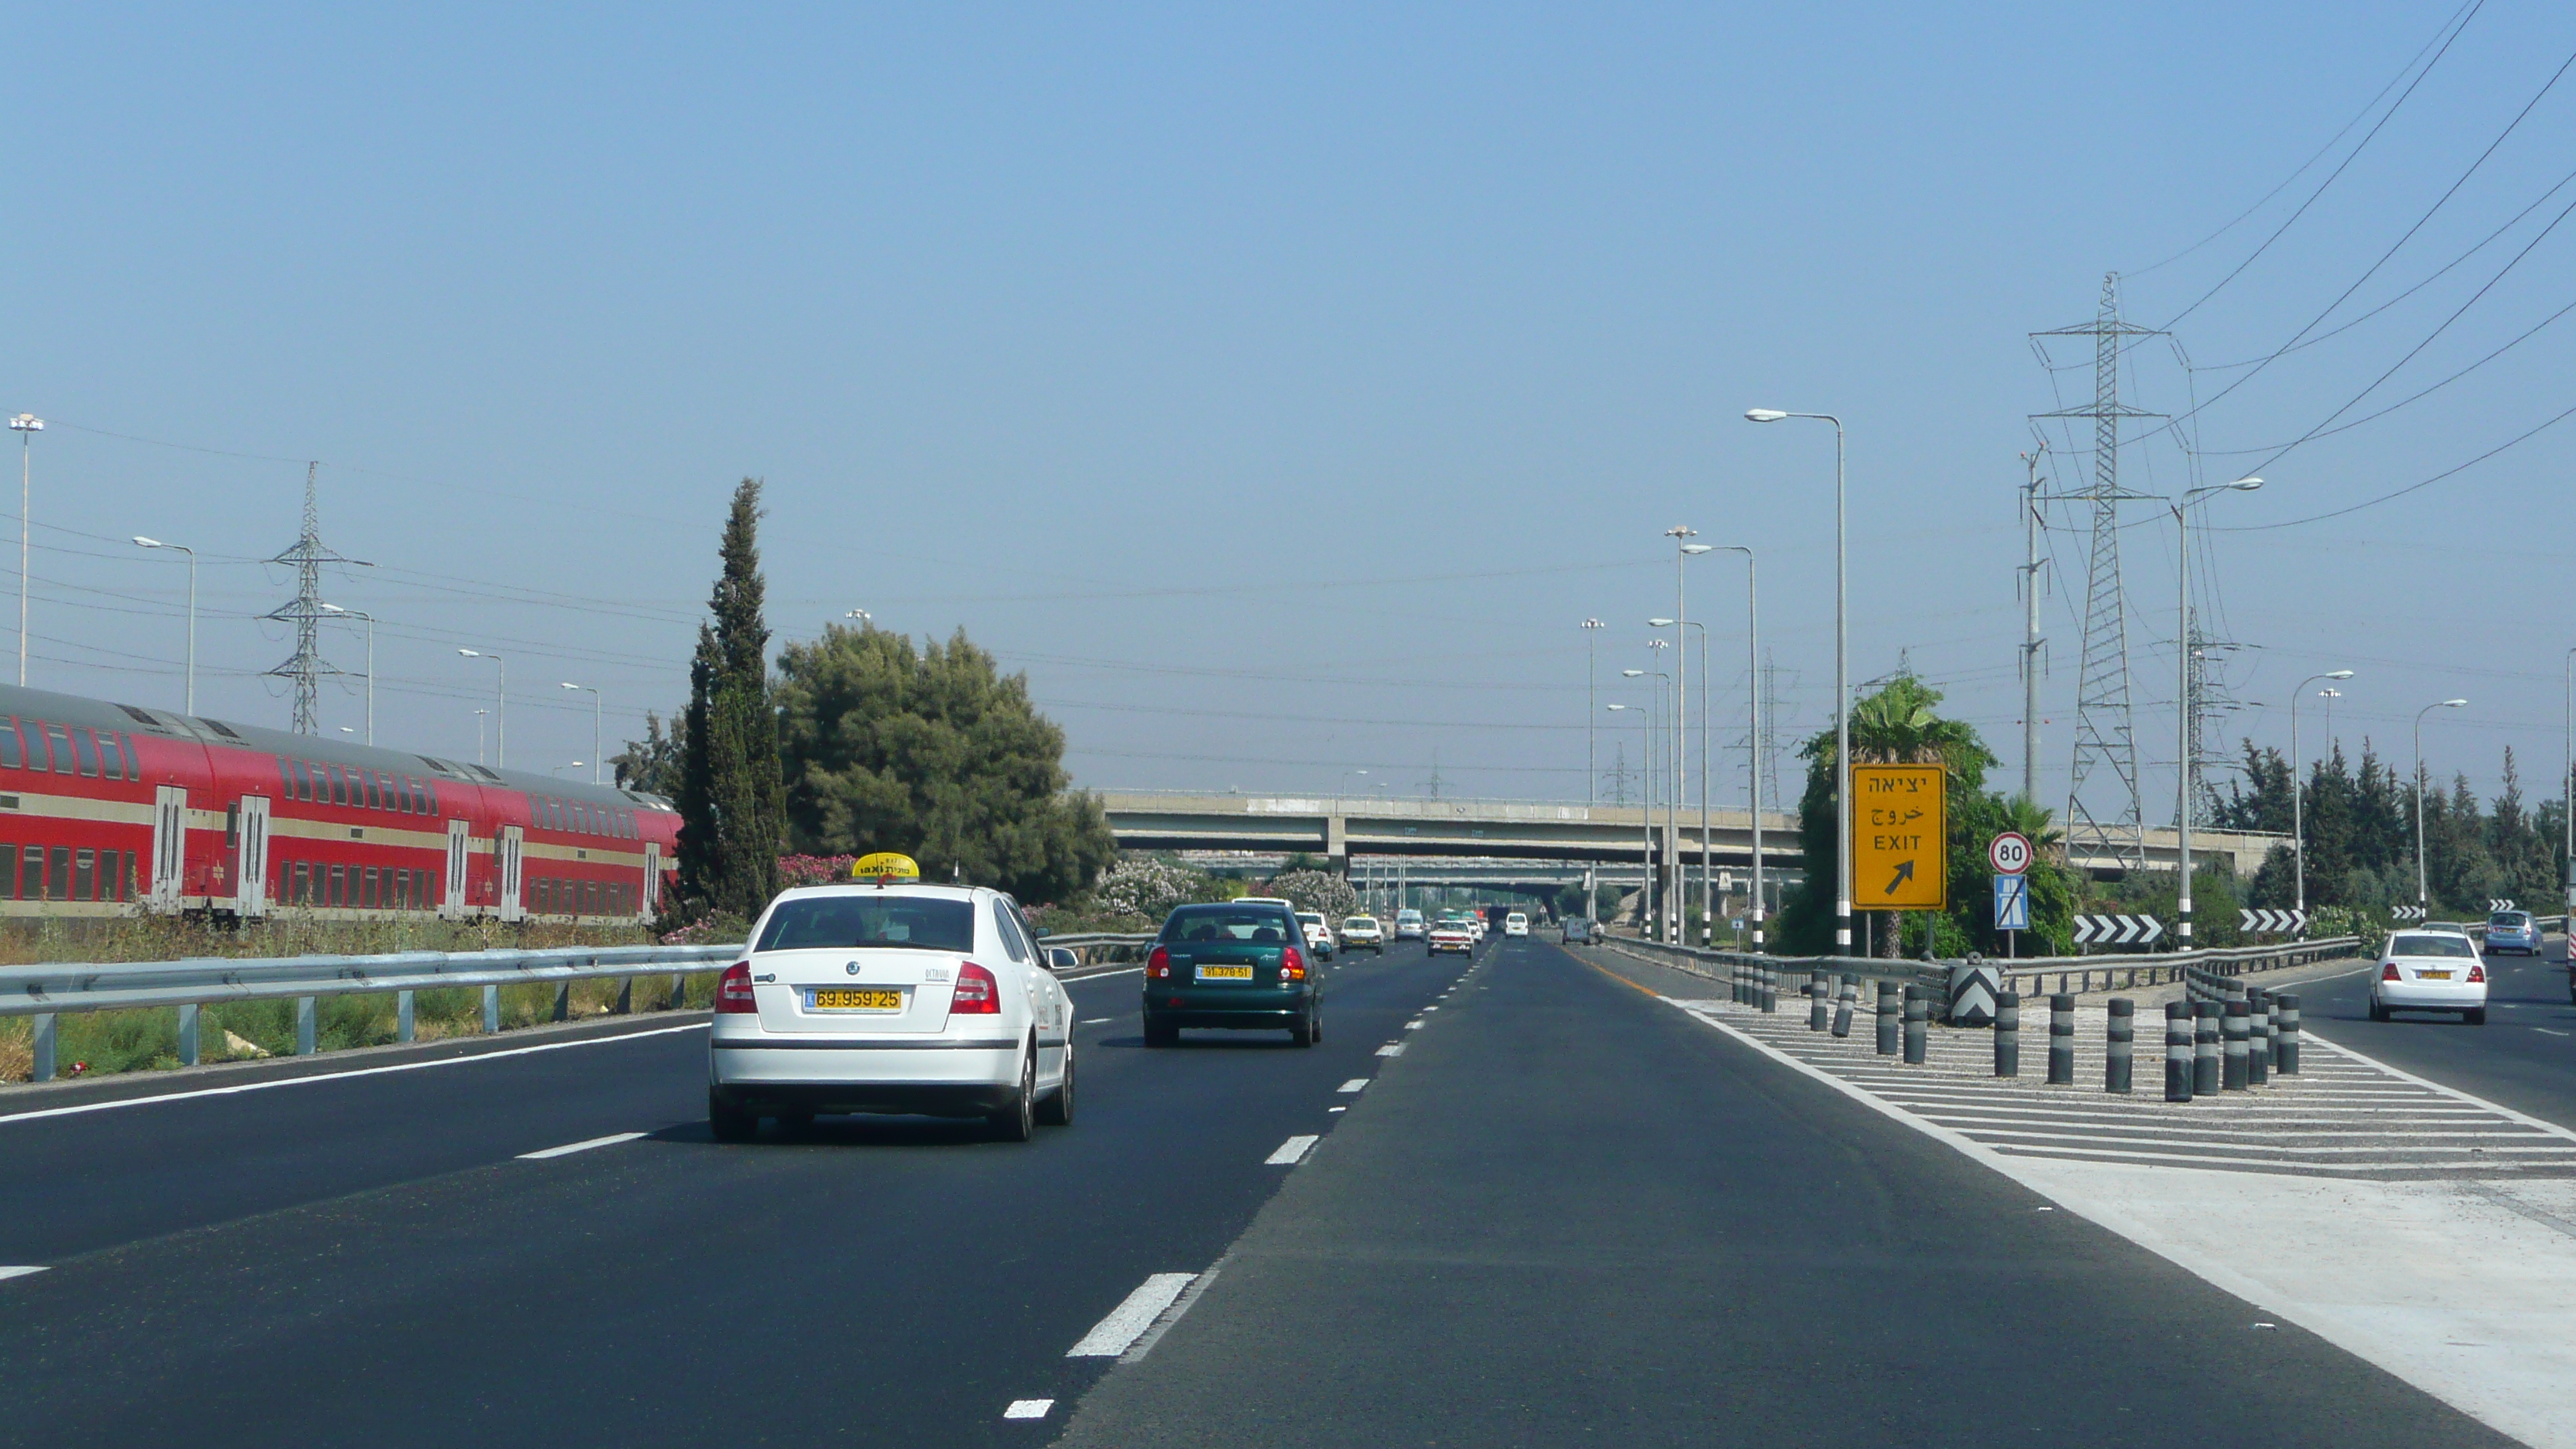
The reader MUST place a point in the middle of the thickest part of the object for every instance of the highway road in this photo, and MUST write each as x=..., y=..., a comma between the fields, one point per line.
x=1563, y=1213
x=2523, y=1058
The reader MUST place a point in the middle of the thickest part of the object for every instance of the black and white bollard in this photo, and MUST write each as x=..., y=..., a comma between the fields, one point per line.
x=2177, y=1051
x=2285, y=1019
x=2204, y=1048
x=2007, y=1033
x=2258, y=1037
x=2119, y=1053
x=1820, y=1012
x=2061, y=1041
x=1737, y=973
x=1891, y=1030
x=1918, y=1026
x=2234, y=1026
x=1843, y=1005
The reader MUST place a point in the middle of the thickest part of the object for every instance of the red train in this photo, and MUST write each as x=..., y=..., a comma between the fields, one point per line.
x=112, y=809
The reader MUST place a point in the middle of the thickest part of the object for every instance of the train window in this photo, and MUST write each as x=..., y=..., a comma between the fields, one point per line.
x=111, y=760
x=8, y=872
x=36, y=758
x=32, y=886
x=129, y=877
x=286, y=778
x=367, y=888
x=402, y=793
x=58, y=880
x=590, y=897
x=107, y=876
x=432, y=789
x=84, y=875
x=339, y=885
x=340, y=792
x=302, y=895
x=87, y=748
x=9, y=744
x=299, y=785
x=375, y=798
x=133, y=771
x=62, y=737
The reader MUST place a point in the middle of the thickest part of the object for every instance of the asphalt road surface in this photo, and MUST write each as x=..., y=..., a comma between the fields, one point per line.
x=1562, y=1214
x=2523, y=1058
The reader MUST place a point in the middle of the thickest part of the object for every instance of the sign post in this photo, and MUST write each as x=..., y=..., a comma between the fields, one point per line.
x=1900, y=838
x=2009, y=854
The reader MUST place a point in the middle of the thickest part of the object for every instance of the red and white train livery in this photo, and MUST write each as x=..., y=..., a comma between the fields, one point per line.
x=112, y=809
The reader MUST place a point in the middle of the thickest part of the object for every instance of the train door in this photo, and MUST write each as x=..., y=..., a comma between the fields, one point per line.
x=652, y=896
x=169, y=845
x=250, y=876
x=460, y=849
x=505, y=864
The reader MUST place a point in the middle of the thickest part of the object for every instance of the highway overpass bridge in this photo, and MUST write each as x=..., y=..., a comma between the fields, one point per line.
x=1354, y=826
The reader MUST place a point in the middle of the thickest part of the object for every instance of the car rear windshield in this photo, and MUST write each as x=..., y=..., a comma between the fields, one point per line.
x=1262, y=926
x=1360, y=923
x=2510, y=920
x=2431, y=946
x=834, y=923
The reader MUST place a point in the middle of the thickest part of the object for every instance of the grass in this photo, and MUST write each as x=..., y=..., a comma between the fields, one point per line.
x=147, y=1038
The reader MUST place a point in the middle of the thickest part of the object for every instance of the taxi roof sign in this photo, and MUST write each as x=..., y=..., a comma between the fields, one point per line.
x=884, y=866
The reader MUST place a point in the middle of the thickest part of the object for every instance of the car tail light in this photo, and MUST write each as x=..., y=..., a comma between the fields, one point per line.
x=733, y=990
x=1292, y=966
x=2477, y=973
x=2388, y=972
x=977, y=994
x=1159, y=964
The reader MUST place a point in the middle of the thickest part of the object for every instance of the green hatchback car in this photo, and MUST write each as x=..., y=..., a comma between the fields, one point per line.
x=1237, y=966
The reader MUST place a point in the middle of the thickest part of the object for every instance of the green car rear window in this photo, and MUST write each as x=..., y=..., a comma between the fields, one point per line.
x=1257, y=925
x=921, y=923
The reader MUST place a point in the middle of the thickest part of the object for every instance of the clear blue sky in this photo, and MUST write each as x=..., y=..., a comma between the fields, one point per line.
x=1230, y=369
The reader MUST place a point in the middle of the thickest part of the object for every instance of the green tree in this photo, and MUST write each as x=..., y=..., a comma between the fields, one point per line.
x=2266, y=805
x=654, y=763
x=934, y=753
x=732, y=800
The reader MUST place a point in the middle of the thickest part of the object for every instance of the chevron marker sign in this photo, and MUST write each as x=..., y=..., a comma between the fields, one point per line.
x=2117, y=930
x=2271, y=923
x=2407, y=913
x=2498, y=904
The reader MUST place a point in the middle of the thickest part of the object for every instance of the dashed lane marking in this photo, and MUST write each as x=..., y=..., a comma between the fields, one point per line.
x=569, y=1148
x=21, y=1270
x=1110, y=1336
x=1391, y=1049
x=1291, y=1151
x=1098, y=1020
x=1355, y=1084
x=1028, y=1408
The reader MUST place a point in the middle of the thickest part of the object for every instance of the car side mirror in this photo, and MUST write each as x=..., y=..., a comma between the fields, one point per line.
x=1040, y=932
x=1060, y=958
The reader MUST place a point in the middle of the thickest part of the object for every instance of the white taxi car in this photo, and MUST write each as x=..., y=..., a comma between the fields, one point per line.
x=1516, y=924
x=882, y=994
x=2430, y=971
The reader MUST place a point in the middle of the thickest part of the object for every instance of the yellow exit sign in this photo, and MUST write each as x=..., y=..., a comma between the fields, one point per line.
x=1900, y=835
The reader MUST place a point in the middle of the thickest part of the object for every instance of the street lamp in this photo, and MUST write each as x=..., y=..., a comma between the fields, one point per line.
x=1681, y=535
x=1657, y=864
x=500, y=707
x=1645, y=746
x=141, y=542
x=1842, y=685
x=2298, y=792
x=1753, y=690
x=863, y=616
x=2420, y=895
x=1707, y=877
x=371, y=660
x=2182, y=700
x=478, y=734
x=26, y=426
x=595, y=710
x=2567, y=779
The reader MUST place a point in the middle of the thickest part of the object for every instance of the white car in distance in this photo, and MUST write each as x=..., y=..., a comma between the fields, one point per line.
x=1516, y=924
x=2430, y=971
x=1359, y=931
x=1319, y=935
x=890, y=998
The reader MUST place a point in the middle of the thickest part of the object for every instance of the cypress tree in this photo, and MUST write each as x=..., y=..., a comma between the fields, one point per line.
x=733, y=797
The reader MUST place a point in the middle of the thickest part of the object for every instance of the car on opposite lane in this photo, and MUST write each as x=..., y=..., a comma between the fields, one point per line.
x=1234, y=966
x=2513, y=931
x=2430, y=971
x=1363, y=931
x=891, y=997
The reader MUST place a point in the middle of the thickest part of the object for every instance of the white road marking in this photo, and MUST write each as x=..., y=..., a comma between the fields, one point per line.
x=1391, y=1049
x=1110, y=1336
x=1414, y=1025
x=1434, y=1008
x=1104, y=975
x=1028, y=1408
x=1096, y=1021
x=569, y=1148
x=21, y=1271
x=1337, y=1109
x=1291, y=1150
x=2552, y=1033
x=1355, y=1084
x=239, y=1088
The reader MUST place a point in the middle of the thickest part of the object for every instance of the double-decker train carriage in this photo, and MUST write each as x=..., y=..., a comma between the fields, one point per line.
x=113, y=809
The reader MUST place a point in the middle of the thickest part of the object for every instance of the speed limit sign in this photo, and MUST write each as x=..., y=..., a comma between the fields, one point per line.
x=2009, y=853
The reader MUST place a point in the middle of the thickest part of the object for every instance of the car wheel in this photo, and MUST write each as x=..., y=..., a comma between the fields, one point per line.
x=729, y=1123
x=1057, y=1110
x=1018, y=1121
x=1304, y=1033
x=2476, y=1017
x=2377, y=1011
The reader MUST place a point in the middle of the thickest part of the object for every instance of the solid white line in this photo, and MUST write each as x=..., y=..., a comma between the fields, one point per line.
x=1355, y=1084
x=2552, y=1033
x=1110, y=1336
x=20, y=1271
x=570, y=1148
x=1028, y=1408
x=1098, y=1020
x=1104, y=975
x=1291, y=1150
x=552, y=1046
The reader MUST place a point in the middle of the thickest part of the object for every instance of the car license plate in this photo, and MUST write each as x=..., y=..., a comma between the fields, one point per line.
x=1225, y=973
x=858, y=998
x=2433, y=975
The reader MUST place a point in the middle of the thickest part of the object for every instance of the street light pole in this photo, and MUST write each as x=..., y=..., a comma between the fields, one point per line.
x=1668, y=890
x=2567, y=780
x=500, y=708
x=26, y=426
x=478, y=734
x=2298, y=794
x=2182, y=696
x=1591, y=761
x=371, y=660
x=2420, y=893
x=596, y=709
x=1842, y=684
x=142, y=542
x=1645, y=746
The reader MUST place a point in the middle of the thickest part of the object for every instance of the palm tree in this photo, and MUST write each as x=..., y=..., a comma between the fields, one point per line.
x=1899, y=725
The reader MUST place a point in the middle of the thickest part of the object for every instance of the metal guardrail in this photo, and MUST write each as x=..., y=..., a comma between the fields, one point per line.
x=1099, y=951
x=2028, y=976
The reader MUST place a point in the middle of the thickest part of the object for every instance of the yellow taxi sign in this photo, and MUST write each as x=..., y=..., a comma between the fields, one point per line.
x=1900, y=837
x=883, y=866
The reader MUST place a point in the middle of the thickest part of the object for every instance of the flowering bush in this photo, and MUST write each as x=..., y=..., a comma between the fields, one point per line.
x=805, y=870
x=1316, y=890
x=1144, y=887
x=718, y=928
